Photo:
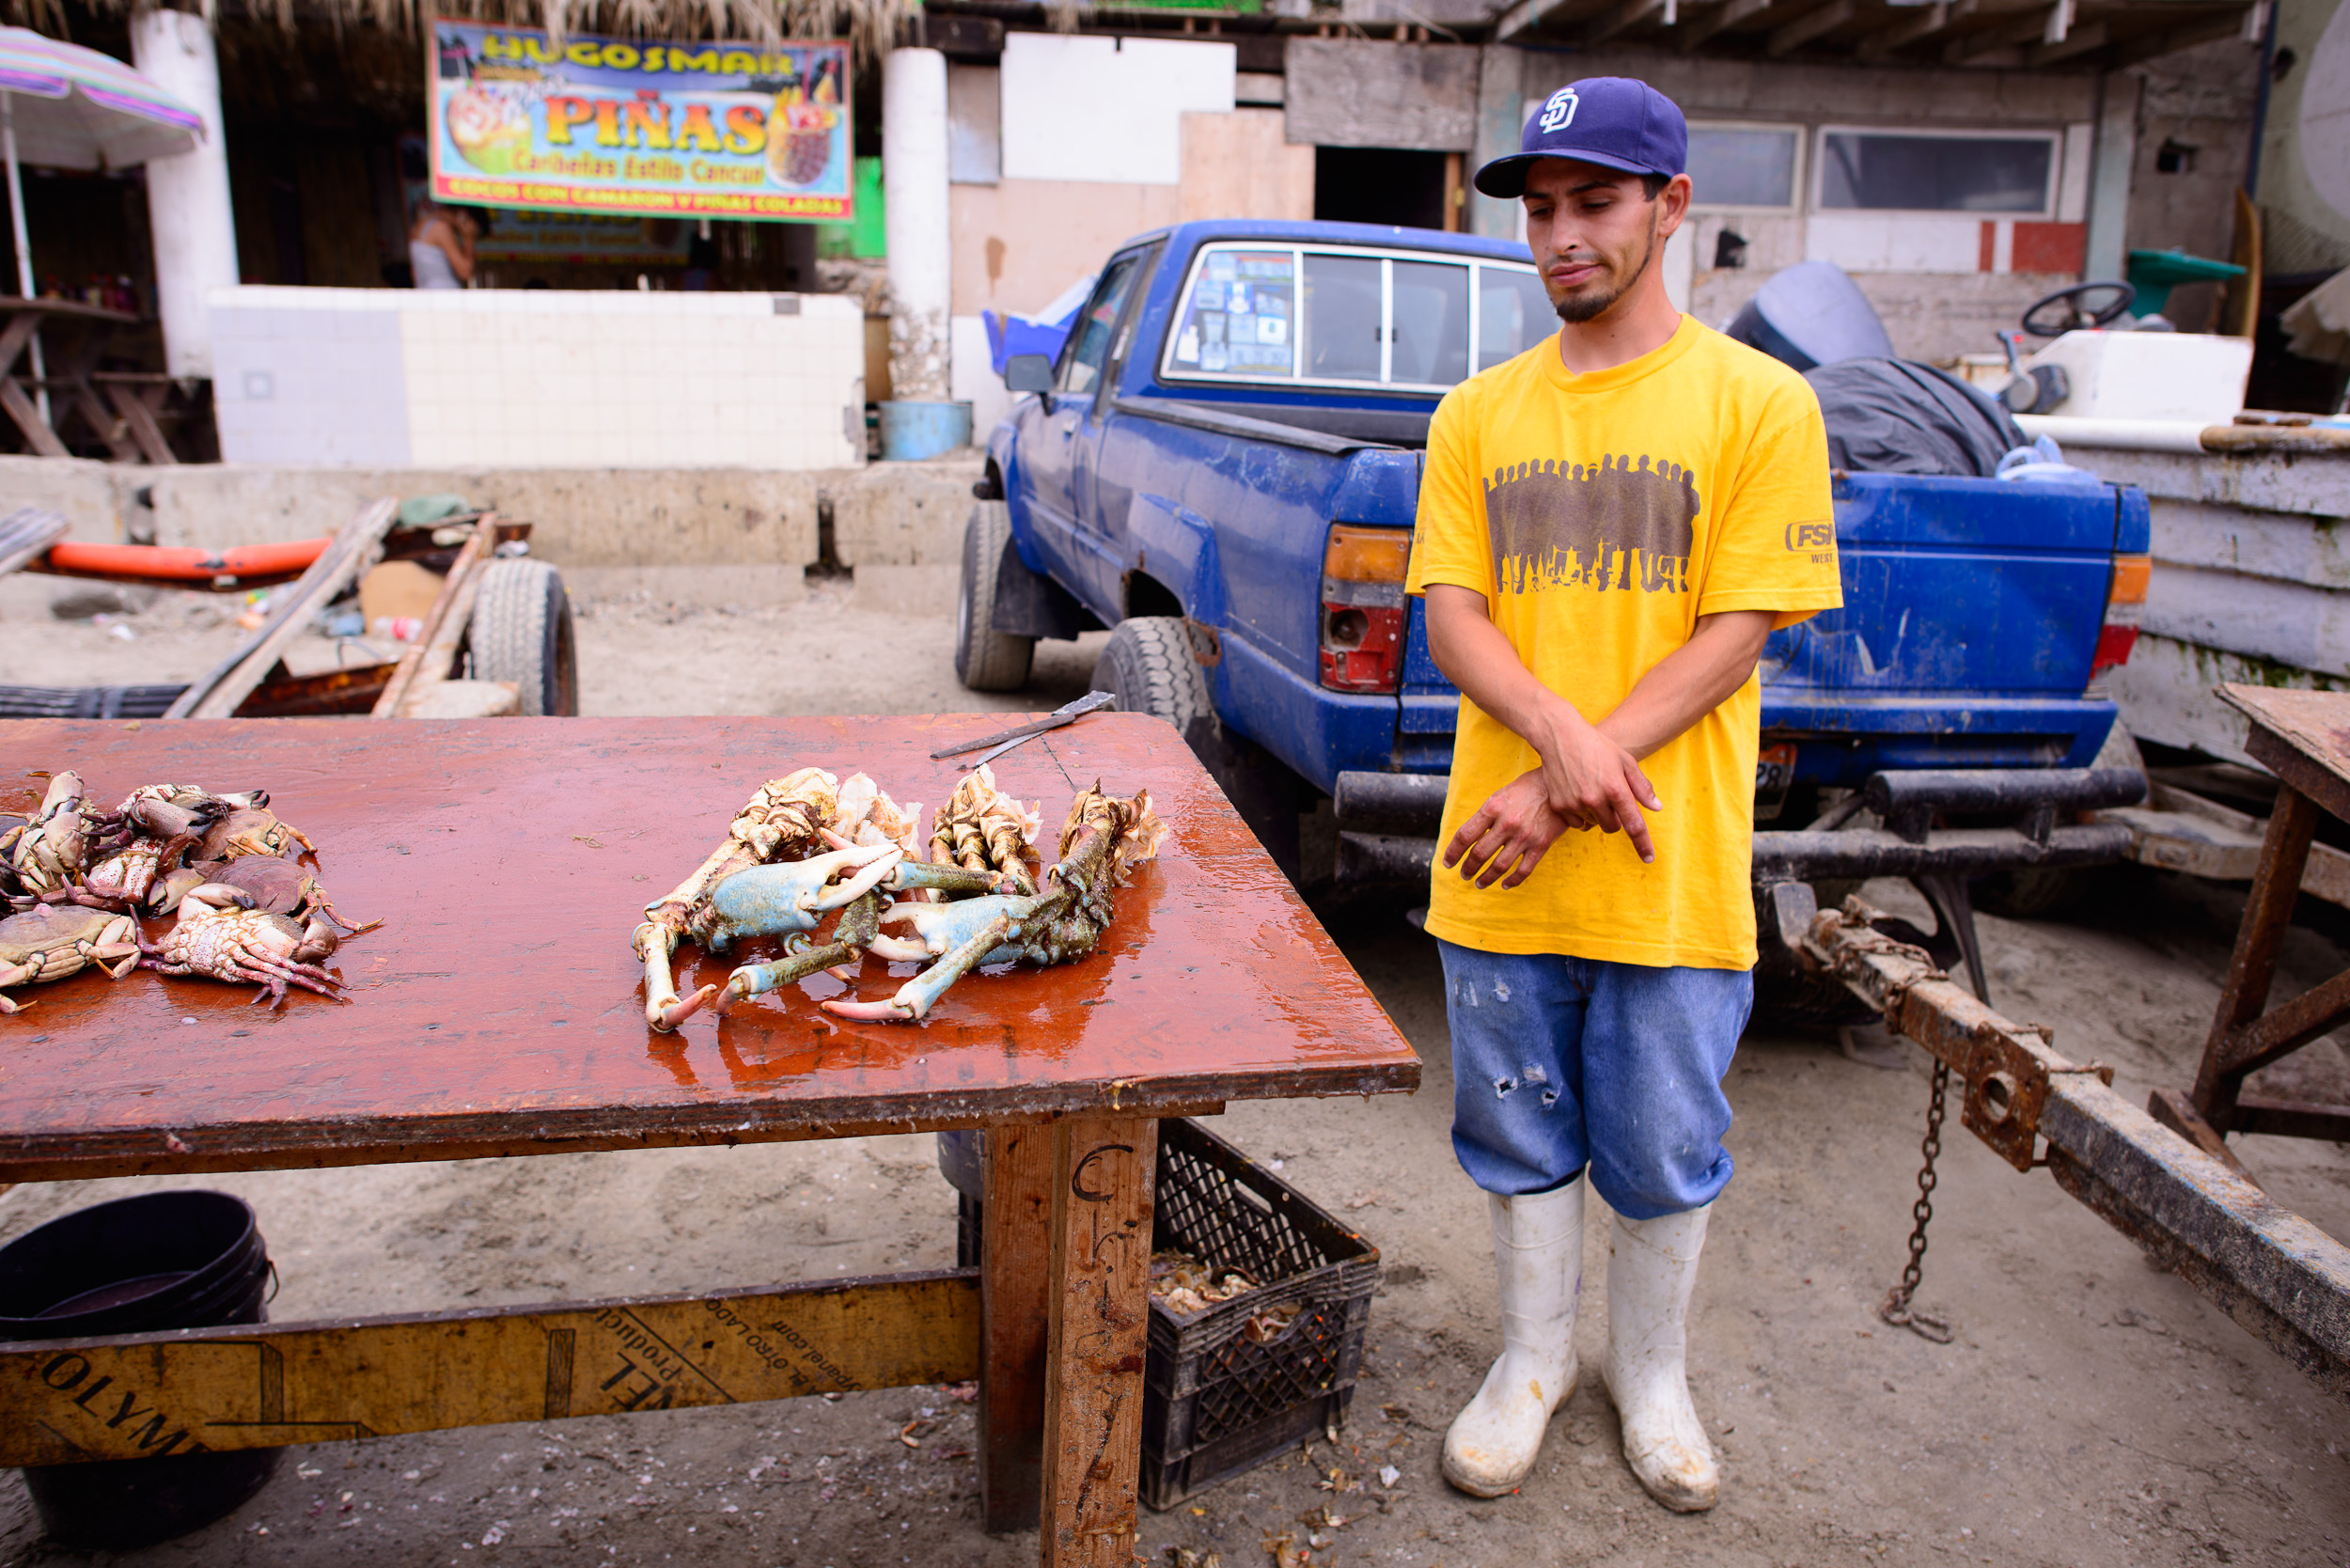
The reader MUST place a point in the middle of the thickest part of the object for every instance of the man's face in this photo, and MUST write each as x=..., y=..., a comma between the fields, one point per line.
x=1593, y=232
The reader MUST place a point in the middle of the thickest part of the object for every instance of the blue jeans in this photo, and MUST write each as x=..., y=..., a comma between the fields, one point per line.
x=1560, y=1063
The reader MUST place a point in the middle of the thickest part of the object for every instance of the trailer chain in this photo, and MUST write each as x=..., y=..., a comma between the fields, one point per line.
x=1897, y=1309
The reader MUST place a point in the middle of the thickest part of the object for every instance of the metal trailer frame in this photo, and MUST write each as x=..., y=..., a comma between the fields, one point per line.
x=2164, y=1176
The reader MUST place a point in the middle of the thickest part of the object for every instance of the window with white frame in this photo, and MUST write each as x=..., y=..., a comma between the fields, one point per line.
x=1343, y=315
x=1749, y=167
x=2007, y=173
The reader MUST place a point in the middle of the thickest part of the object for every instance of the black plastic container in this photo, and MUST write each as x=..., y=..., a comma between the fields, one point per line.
x=160, y=1261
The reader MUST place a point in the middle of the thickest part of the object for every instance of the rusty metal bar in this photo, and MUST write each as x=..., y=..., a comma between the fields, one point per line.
x=2280, y=1277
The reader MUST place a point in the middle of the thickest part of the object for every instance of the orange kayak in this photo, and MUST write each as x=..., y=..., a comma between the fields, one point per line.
x=167, y=564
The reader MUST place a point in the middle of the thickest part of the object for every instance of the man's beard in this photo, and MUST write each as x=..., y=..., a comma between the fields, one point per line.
x=1577, y=308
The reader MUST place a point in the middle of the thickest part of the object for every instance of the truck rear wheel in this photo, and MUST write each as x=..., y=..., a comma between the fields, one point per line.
x=520, y=632
x=987, y=660
x=1147, y=664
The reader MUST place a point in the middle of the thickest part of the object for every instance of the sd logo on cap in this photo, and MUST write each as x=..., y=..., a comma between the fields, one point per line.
x=1613, y=121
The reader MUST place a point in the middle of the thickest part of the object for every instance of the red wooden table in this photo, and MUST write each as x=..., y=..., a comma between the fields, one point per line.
x=499, y=1011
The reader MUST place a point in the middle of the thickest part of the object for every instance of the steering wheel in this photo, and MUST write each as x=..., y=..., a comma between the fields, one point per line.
x=2077, y=315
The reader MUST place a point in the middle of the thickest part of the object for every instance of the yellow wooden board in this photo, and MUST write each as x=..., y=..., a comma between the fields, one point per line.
x=271, y=1385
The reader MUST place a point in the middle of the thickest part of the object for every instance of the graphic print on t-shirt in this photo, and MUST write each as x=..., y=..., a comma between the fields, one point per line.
x=1609, y=525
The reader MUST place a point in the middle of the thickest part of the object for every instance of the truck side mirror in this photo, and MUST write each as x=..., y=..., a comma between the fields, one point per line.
x=1029, y=372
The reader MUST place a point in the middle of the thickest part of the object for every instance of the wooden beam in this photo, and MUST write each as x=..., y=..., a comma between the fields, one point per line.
x=1103, y=1171
x=1726, y=15
x=145, y=1395
x=1794, y=34
x=1929, y=21
x=219, y=693
x=1631, y=13
x=1522, y=18
x=1015, y=1314
x=431, y=656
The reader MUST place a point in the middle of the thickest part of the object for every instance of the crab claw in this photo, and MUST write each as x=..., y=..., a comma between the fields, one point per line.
x=914, y=999
x=786, y=896
x=940, y=927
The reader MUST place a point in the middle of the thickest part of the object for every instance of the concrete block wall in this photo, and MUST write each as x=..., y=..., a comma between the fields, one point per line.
x=721, y=534
x=538, y=378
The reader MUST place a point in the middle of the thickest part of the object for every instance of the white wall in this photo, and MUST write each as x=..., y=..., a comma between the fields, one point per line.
x=538, y=378
x=975, y=378
x=1105, y=109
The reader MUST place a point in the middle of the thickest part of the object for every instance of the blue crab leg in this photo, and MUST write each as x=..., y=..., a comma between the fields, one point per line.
x=915, y=998
x=858, y=925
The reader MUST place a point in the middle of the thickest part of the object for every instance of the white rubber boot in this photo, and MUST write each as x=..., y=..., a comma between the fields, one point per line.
x=1652, y=1268
x=1538, y=1253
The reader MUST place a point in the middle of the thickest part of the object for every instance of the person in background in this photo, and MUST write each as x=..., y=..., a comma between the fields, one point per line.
x=440, y=246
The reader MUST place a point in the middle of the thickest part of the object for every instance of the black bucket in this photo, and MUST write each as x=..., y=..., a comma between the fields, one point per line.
x=165, y=1259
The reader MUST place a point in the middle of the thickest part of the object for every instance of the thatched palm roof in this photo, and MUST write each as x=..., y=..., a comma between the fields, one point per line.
x=873, y=25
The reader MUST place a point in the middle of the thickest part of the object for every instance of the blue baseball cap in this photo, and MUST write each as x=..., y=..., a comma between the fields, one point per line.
x=1613, y=121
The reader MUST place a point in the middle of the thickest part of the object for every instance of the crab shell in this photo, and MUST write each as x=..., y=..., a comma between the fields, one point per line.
x=50, y=942
x=252, y=830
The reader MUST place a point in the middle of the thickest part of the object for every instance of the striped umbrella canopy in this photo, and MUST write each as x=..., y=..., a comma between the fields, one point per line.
x=74, y=108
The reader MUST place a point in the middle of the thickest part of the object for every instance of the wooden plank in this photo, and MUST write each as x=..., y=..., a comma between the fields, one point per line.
x=2253, y=966
x=1015, y=1315
x=1791, y=36
x=1103, y=1167
x=20, y=408
x=2184, y=832
x=2303, y=737
x=434, y=651
x=139, y=416
x=26, y=534
x=221, y=691
x=146, y=1395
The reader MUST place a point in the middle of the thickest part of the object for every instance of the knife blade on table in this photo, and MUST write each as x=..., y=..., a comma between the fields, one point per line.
x=1004, y=739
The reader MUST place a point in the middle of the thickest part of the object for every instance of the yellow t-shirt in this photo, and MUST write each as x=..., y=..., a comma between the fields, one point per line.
x=1600, y=515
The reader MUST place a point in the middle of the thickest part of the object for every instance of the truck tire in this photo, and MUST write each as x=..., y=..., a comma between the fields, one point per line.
x=521, y=631
x=1147, y=664
x=987, y=660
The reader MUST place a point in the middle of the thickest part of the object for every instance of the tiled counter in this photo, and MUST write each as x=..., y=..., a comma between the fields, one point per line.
x=538, y=378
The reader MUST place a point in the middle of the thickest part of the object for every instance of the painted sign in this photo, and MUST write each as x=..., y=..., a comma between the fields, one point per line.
x=604, y=125
x=584, y=237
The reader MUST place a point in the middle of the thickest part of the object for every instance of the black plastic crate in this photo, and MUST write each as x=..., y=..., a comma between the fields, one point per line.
x=1214, y=1403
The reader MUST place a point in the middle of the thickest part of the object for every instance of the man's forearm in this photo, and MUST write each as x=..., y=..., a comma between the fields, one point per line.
x=1475, y=656
x=1690, y=682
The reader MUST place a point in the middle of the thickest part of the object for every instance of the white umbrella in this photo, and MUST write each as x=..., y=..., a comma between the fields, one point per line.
x=64, y=106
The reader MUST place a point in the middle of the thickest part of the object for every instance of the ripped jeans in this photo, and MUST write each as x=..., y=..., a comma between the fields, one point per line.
x=1560, y=1063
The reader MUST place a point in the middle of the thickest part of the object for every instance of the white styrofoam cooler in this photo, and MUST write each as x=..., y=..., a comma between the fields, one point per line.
x=538, y=378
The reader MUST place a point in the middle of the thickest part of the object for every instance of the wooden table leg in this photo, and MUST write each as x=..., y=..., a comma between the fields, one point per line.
x=1103, y=1171
x=139, y=413
x=2253, y=968
x=22, y=409
x=1015, y=1307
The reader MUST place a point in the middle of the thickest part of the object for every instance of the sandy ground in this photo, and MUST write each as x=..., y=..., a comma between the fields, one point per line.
x=2089, y=1411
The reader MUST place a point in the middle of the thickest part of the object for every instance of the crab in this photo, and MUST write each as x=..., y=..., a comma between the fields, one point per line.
x=250, y=830
x=49, y=943
x=50, y=850
x=164, y=811
x=786, y=814
x=220, y=935
x=862, y=911
x=128, y=876
x=982, y=828
x=1103, y=839
x=278, y=888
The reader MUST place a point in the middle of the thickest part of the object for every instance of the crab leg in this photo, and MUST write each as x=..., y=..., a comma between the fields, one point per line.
x=915, y=998
x=860, y=923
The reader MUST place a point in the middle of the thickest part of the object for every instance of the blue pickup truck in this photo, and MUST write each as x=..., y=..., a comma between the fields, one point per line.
x=1223, y=463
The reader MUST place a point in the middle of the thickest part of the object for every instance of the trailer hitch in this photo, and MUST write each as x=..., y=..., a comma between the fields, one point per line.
x=2280, y=1277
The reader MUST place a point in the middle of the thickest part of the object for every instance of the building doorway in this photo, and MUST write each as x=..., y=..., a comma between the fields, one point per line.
x=1381, y=186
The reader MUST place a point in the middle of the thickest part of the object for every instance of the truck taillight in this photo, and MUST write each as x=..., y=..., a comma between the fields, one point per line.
x=1362, y=608
x=2125, y=601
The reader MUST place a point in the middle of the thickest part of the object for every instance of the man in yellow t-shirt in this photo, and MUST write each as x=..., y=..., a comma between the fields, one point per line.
x=1610, y=525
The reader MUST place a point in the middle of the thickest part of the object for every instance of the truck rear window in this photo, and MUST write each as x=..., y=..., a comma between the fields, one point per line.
x=1340, y=315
